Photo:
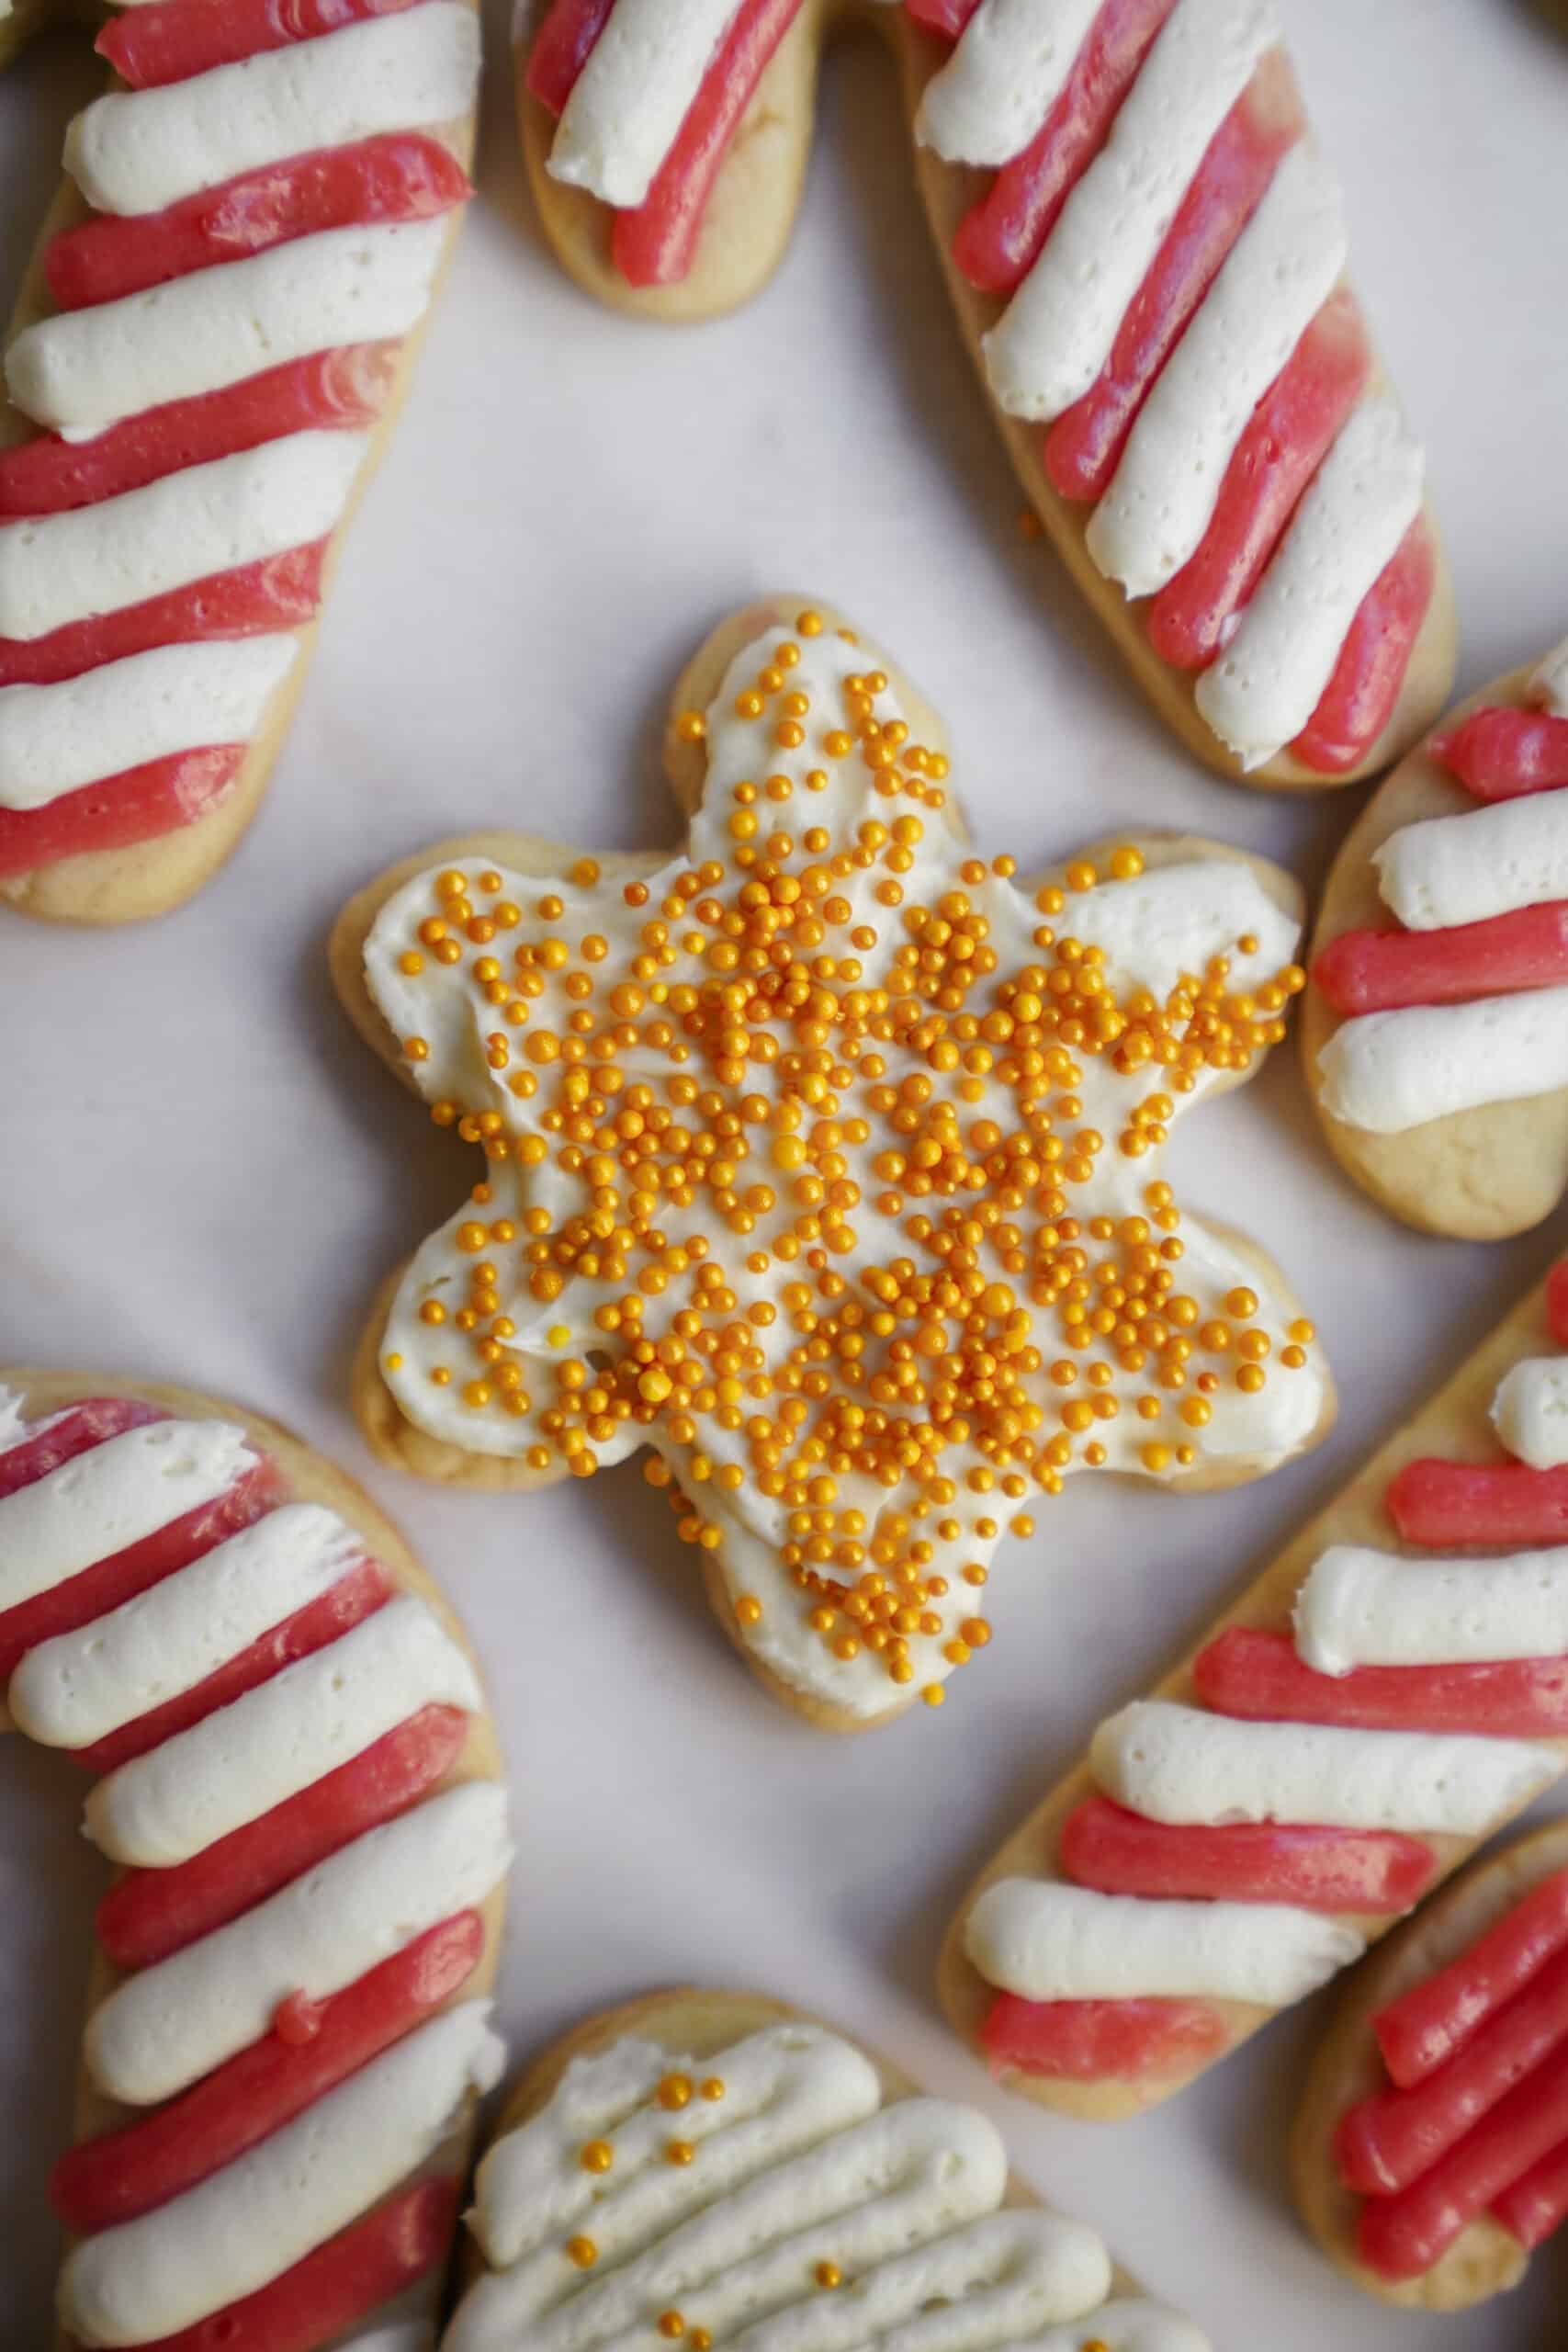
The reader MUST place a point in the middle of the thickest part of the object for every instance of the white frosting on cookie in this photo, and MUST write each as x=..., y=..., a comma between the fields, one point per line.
x=137, y=150
x=1530, y=1414
x=1051, y=1942
x=1268, y=681
x=796, y=2183
x=256, y=2217
x=55, y=738
x=63, y=568
x=1279, y=272
x=1181, y=1764
x=1059, y=328
x=281, y=1737
x=1012, y=65
x=80, y=1687
x=1485, y=862
x=116, y=1494
x=1360, y=1606
x=1153, y=930
x=633, y=92
x=1385, y=1072
x=172, y=2023
x=88, y=368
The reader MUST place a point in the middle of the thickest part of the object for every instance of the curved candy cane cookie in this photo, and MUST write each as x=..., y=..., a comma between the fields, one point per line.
x=821, y=1160
x=1389, y=1693
x=296, y=1778
x=762, y=2161
x=1430, y=2151
x=1147, y=254
x=202, y=371
x=1436, y=1029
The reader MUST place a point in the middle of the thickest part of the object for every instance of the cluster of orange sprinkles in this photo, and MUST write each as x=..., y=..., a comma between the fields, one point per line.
x=815, y=1141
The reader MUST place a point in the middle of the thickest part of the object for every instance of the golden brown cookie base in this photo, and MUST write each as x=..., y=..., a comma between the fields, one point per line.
x=309, y=1477
x=1485, y=2260
x=1477, y=1175
x=1456, y=1424
x=744, y=236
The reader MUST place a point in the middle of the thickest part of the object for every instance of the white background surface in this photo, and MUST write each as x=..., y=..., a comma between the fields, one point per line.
x=203, y=1175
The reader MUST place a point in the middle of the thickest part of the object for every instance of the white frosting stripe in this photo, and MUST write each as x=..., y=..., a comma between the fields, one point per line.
x=1530, y=1414
x=55, y=738
x=279, y=1738
x=85, y=369
x=1126, y=2326
x=785, y=2089
x=1012, y=65
x=794, y=2168
x=210, y=518
x=628, y=102
x=896, y=2181
x=254, y=2220
x=1182, y=1765
x=136, y=152
x=79, y=1688
x=1059, y=328
x=1280, y=271
x=1365, y=1608
x=1549, y=686
x=166, y=2027
x=1051, y=1942
x=1263, y=689
x=1385, y=1072
x=115, y=1495
x=1482, y=862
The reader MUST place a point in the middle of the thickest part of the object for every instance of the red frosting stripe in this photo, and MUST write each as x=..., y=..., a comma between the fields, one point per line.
x=137, y=805
x=1119, y=1852
x=324, y=1619
x=1000, y=239
x=1360, y=699
x=1090, y=2040
x=1422, y=2030
x=562, y=47
x=75, y=1430
x=402, y=176
x=109, y=1582
x=280, y=592
x=345, y=388
x=656, y=244
x=1506, y=1504
x=353, y=2273
x=1260, y=1677
x=135, y=2170
x=1375, y=971
x=1388, y=2141
x=148, y=1914
x=1557, y=1302
x=945, y=16
x=1291, y=431
x=1401, y=2236
x=1537, y=2204
x=1497, y=754
x=1084, y=447
x=176, y=39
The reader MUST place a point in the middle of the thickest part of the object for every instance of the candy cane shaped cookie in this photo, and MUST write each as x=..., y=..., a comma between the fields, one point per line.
x=1147, y=254
x=761, y=2162
x=1387, y=1694
x=1430, y=2151
x=204, y=366
x=296, y=1781
x=1435, y=1031
x=821, y=1160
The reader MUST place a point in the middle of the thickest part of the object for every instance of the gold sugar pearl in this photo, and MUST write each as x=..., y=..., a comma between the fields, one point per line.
x=583, y=2250
x=597, y=2156
x=675, y=2092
